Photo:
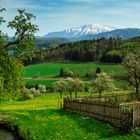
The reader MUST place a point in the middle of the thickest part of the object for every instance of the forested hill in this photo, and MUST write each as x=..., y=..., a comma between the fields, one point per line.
x=43, y=43
x=110, y=50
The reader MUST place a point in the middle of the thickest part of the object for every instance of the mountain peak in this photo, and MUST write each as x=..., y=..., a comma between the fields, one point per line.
x=76, y=32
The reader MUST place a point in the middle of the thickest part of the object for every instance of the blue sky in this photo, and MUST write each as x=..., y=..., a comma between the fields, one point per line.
x=56, y=15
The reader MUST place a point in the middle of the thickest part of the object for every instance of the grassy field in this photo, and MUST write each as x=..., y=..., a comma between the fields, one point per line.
x=48, y=72
x=52, y=69
x=40, y=82
x=42, y=119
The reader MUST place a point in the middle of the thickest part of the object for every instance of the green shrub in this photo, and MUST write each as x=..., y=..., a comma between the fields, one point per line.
x=9, y=96
x=35, y=92
x=26, y=95
x=69, y=74
x=115, y=100
x=42, y=88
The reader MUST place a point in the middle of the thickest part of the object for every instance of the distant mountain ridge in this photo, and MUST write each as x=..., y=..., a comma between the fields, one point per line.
x=126, y=33
x=94, y=31
x=76, y=32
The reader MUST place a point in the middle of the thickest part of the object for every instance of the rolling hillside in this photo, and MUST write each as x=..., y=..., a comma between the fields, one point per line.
x=52, y=69
x=48, y=73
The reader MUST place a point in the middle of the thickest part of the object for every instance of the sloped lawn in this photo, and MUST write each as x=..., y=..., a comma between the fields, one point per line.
x=42, y=119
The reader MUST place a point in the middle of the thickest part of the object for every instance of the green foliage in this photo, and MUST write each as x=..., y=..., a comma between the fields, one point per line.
x=11, y=73
x=60, y=86
x=62, y=72
x=23, y=41
x=115, y=100
x=132, y=63
x=9, y=96
x=82, y=51
x=26, y=95
x=1, y=18
x=43, y=43
x=74, y=85
x=130, y=44
x=113, y=56
x=103, y=82
x=42, y=88
x=1, y=84
x=130, y=47
x=111, y=50
x=98, y=70
x=69, y=85
x=69, y=73
x=21, y=45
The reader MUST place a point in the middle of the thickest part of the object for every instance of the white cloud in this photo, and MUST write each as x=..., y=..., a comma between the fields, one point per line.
x=54, y=15
x=16, y=4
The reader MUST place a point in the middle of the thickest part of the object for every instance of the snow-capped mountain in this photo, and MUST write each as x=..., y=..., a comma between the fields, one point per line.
x=76, y=32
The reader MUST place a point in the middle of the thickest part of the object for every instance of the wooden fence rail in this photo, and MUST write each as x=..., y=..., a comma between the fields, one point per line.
x=115, y=114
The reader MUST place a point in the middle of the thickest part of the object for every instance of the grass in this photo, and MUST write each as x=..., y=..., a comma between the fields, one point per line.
x=52, y=69
x=47, y=73
x=42, y=119
x=49, y=83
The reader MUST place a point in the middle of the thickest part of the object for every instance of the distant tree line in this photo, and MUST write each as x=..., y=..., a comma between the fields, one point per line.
x=111, y=50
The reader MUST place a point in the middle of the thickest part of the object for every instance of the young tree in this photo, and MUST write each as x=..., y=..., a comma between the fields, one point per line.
x=132, y=76
x=98, y=70
x=22, y=44
x=60, y=87
x=69, y=86
x=103, y=82
x=62, y=72
x=74, y=85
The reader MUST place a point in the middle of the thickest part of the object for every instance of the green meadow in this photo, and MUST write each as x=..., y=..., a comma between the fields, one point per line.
x=49, y=83
x=48, y=73
x=42, y=119
x=52, y=69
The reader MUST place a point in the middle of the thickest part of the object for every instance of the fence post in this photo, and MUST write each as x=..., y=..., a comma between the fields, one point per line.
x=106, y=111
x=133, y=117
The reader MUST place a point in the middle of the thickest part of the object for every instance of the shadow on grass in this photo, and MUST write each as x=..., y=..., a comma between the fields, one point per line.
x=90, y=125
x=68, y=62
x=65, y=123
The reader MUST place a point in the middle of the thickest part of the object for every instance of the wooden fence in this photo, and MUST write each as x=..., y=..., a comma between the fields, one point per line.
x=135, y=107
x=136, y=114
x=115, y=114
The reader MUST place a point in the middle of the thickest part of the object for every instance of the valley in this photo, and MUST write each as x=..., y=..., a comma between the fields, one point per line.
x=69, y=70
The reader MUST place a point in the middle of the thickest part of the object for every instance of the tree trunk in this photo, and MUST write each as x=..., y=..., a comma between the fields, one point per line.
x=137, y=93
x=75, y=94
x=70, y=94
x=61, y=95
x=100, y=94
x=136, y=86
